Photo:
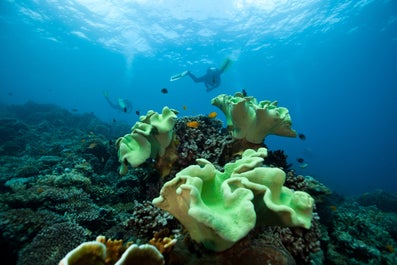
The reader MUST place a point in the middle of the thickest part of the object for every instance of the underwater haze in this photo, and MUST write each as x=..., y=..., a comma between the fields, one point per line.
x=333, y=64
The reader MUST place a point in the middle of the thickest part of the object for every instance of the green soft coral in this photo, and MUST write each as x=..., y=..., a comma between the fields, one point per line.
x=220, y=208
x=252, y=120
x=149, y=138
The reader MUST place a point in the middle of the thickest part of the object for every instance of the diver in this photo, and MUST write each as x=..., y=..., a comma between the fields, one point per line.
x=123, y=104
x=211, y=80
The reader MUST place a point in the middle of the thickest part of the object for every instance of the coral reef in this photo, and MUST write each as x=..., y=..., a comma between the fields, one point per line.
x=52, y=243
x=150, y=137
x=89, y=253
x=163, y=242
x=209, y=203
x=360, y=234
x=385, y=201
x=147, y=219
x=253, y=250
x=143, y=254
x=278, y=159
x=252, y=120
x=206, y=141
x=59, y=187
x=109, y=252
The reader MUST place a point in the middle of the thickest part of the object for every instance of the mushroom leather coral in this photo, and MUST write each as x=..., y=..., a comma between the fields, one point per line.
x=149, y=138
x=252, y=120
x=94, y=253
x=220, y=208
x=88, y=253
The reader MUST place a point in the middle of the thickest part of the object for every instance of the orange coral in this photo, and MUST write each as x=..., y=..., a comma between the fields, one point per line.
x=163, y=243
x=114, y=249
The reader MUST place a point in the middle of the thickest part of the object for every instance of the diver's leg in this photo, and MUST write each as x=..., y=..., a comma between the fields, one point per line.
x=178, y=76
x=225, y=65
x=195, y=78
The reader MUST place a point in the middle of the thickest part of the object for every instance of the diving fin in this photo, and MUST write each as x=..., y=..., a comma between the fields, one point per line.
x=178, y=76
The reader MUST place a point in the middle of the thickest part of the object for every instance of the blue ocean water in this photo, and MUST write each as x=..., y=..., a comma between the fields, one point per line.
x=333, y=64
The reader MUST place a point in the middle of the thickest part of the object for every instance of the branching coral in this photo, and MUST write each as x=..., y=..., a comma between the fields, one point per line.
x=147, y=219
x=162, y=242
x=205, y=141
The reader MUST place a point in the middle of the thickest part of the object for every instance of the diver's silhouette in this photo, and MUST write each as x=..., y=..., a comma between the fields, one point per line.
x=211, y=79
x=123, y=104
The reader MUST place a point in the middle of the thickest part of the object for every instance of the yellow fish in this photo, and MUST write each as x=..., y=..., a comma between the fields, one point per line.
x=193, y=124
x=212, y=115
x=184, y=107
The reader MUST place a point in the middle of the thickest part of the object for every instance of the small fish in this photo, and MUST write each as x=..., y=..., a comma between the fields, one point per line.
x=10, y=93
x=302, y=136
x=300, y=160
x=164, y=90
x=193, y=124
x=212, y=115
x=333, y=208
x=125, y=109
x=138, y=112
x=92, y=145
x=114, y=120
x=75, y=110
x=244, y=92
x=390, y=248
x=184, y=107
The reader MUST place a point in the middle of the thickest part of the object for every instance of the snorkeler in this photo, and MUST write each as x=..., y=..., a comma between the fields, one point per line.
x=123, y=104
x=212, y=79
